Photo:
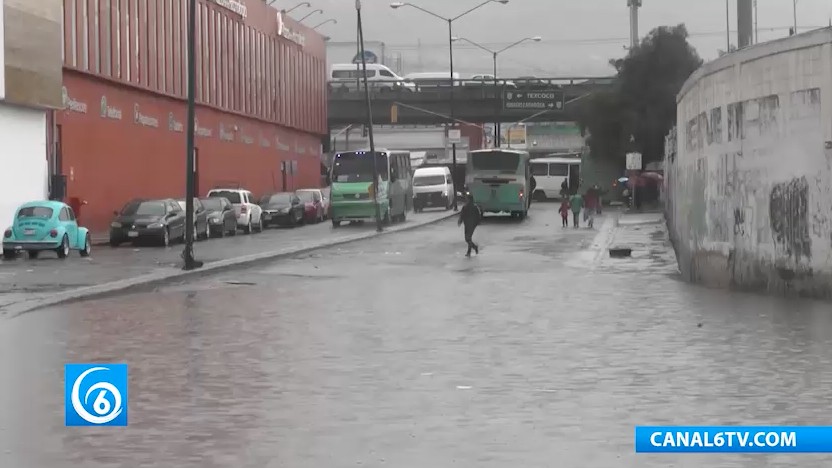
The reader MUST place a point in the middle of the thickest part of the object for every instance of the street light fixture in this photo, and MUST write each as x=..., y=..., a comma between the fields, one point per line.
x=450, y=21
x=302, y=4
x=494, y=54
x=333, y=21
x=310, y=14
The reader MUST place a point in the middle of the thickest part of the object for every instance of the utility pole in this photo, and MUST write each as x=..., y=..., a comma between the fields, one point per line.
x=369, y=116
x=634, y=6
x=188, y=253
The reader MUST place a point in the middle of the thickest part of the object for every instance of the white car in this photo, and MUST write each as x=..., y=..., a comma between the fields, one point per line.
x=249, y=214
x=433, y=187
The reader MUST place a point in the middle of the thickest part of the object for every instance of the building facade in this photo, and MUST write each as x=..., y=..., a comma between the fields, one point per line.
x=30, y=86
x=260, y=92
x=749, y=185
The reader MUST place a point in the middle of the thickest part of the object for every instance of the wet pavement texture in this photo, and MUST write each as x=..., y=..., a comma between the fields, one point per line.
x=400, y=352
x=20, y=278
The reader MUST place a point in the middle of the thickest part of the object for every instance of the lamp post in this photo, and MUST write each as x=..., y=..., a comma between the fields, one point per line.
x=310, y=14
x=494, y=54
x=302, y=4
x=333, y=21
x=369, y=116
x=188, y=253
x=450, y=22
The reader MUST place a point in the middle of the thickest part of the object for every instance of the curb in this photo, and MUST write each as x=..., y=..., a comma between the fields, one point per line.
x=151, y=279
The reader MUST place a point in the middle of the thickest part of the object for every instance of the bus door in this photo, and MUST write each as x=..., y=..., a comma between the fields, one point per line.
x=574, y=177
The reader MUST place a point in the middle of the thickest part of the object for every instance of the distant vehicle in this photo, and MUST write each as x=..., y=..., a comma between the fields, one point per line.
x=352, y=186
x=222, y=219
x=486, y=80
x=531, y=82
x=282, y=209
x=427, y=80
x=350, y=76
x=549, y=173
x=432, y=187
x=201, y=229
x=500, y=181
x=160, y=220
x=45, y=225
x=313, y=201
x=249, y=214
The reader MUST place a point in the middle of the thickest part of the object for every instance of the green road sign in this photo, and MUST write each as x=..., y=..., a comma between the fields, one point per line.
x=533, y=100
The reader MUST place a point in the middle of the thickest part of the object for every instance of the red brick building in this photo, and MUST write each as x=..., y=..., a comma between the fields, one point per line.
x=261, y=101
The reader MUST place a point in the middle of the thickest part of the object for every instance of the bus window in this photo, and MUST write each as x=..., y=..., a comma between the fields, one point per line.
x=559, y=169
x=357, y=167
x=502, y=161
x=540, y=169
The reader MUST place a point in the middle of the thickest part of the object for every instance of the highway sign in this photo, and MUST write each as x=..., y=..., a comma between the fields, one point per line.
x=533, y=100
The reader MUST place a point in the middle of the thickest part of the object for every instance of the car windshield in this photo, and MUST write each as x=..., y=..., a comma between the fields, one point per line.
x=358, y=167
x=233, y=197
x=496, y=161
x=306, y=196
x=277, y=199
x=35, y=212
x=213, y=204
x=422, y=181
x=146, y=208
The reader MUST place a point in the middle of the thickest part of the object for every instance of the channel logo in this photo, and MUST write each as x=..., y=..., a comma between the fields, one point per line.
x=95, y=394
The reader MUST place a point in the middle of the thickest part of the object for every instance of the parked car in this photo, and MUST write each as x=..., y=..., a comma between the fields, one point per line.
x=45, y=225
x=222, y=219
x=249, y=215
x=313, y=201
x=201, y=230
x=161, y=220
x=282, y=209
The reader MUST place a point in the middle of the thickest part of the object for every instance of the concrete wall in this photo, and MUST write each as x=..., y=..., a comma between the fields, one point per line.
x=22, y=157
x=749, y=185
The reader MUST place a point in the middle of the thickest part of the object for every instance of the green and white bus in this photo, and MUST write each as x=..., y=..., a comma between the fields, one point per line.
x=500, y=181
x=351, y=192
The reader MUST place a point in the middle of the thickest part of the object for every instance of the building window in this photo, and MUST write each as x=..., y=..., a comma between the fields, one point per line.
x=74, y=31
x=105, y=36
x=117, y=4
x=136, y=41
x=179, y=46
x=169, y=59
x=96, y=40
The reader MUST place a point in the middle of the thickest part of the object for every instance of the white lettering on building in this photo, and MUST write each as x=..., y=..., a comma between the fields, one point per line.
x=142, y=119
x=224, y=135
x=288, y=33
x=173, y=124
x=202, y=131
x=71, y=104
x=109, y=112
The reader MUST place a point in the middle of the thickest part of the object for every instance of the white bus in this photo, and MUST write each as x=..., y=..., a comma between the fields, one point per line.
x=549, y=174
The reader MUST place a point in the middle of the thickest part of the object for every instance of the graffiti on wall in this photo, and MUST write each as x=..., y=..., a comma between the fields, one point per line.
x=788, y=217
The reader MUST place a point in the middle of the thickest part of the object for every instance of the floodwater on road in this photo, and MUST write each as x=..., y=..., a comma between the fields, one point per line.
x=400, y=352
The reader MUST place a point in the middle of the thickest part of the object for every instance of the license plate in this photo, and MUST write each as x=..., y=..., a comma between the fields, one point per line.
x=132, y=234
x=29, y=232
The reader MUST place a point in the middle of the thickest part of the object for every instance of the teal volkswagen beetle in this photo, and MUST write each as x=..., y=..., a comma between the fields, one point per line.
x=45, y=225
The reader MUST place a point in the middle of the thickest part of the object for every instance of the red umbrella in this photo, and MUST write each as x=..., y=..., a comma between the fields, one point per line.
x=653, y=175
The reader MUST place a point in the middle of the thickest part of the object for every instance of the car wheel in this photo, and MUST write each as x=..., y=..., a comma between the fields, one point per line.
x=336, y=224
x=9, y=254
x=33, y=254
x=63, y=250
x=195, y=235
x=207, y=233
x=165, y=238
x=233, y=231
x=260, y=225
x=85, y=252
x=247, y=229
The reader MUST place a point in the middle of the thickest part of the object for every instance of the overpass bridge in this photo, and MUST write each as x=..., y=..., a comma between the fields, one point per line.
x=503, y=101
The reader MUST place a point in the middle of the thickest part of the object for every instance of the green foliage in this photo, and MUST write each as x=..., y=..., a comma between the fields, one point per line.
x=643, y=100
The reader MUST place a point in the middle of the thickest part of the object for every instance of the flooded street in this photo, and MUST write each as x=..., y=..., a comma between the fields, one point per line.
x=400, y=352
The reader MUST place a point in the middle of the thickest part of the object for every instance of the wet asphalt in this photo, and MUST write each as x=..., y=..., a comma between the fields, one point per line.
x=400, y=352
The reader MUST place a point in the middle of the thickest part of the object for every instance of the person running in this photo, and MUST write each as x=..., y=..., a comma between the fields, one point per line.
x=470, y=215
x=564, y=212
x=576, y=203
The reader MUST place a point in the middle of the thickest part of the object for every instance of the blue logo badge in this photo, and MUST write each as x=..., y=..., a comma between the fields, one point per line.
x=95, y=394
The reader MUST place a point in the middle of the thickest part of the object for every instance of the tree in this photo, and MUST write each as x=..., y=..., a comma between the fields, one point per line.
x=643, y=100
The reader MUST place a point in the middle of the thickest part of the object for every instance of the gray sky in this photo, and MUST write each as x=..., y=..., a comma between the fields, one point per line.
x=579, y=37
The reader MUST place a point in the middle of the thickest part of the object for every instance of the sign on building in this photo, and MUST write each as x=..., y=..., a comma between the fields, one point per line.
x=533, y=100
x=288, y=33
x=634, y=161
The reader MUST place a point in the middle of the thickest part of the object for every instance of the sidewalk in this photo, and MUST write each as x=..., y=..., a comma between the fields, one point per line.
x=26, y=284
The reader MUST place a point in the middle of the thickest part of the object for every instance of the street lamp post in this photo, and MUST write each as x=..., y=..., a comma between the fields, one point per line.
x=188, y=253
x=450, y=22
x=495, y=54
x=369, y=116
x=333, y=21
x=310, y=14
x=302, y=4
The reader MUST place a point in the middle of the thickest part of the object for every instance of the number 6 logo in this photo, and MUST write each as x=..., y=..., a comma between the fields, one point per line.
x=106, y=411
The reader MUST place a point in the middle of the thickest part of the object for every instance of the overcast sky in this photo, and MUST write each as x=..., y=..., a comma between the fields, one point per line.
x=579, y=37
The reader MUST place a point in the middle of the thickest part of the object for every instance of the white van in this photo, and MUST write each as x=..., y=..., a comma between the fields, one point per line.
x=433, y=187
x=549, y=174
x=349, y=76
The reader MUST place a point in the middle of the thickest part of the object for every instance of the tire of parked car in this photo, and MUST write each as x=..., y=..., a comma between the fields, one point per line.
x=32, y=254
x=63, y=249
x=9, y=254
x=165, y=238
x=260, y=225
x=247, y=229
x=87, y=250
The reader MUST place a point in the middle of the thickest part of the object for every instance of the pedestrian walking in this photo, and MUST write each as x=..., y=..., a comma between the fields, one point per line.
x=600, y=200
x=533, y=186
x=564, y=212
x=576, y=203
x=470, y=215
x=564, y=189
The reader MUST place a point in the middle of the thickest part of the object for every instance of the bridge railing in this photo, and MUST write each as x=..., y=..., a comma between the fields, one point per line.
x=484, y=87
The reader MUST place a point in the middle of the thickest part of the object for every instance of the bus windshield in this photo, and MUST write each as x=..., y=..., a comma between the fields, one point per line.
x=496, y=161
x=357, y=167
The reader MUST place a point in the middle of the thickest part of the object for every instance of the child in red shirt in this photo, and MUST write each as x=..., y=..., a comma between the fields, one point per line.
x=564, y=211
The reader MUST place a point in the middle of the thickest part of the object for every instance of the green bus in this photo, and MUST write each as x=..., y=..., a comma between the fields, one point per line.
x=351, y=177
x=500, y=181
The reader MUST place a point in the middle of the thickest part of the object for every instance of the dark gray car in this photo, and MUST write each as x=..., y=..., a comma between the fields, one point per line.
x=201, y=230
x=160, y=220
x=222, y=219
